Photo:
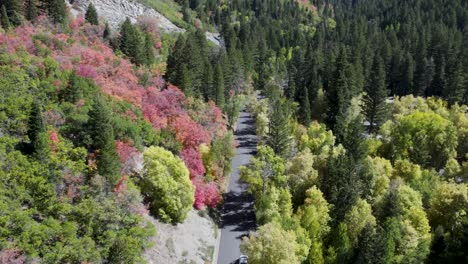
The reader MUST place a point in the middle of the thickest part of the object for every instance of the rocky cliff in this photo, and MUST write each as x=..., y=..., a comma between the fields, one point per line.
x=116, y=11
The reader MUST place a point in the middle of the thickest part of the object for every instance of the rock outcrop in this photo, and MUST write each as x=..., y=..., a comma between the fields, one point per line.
x=116, y=11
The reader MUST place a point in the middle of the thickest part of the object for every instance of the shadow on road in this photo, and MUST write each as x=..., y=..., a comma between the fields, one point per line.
x=238, y=211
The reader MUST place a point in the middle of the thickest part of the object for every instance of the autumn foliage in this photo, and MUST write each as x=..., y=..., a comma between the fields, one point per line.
x=164, y=106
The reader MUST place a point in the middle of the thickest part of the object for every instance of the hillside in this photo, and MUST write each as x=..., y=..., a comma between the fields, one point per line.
x=116, y=11
x=75, y=120
x=118, y=139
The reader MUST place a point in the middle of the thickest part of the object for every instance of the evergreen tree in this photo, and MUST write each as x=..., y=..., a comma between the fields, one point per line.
x=407, y=76
x=370, y=246
x=339, y=94
x=13, y=9
x=341, y=244
x=374, y=107
x=5, y=21
x=57, y=10
x=341, y=185
x=185, y=81
x=107, y=31
x=102, y=134
x=175, y=60
x=149, y=50
x=31, y=10
x=208, y=92
x=219, y=86
x=36, y=123
x=353, y=139
x=91, y=15
x=305, y=108
x=456, y=84
x=39, y=145
x=131, y=43
x=279, y=127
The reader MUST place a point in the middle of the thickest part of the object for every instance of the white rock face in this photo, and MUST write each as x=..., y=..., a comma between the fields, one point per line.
x=214, y=37
x=116, y=11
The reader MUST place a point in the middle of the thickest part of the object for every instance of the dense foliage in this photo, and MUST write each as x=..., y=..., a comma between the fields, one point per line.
x=397, y=198
x=74, y=121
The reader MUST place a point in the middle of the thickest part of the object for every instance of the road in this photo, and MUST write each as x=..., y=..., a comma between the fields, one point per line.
x=237, y=215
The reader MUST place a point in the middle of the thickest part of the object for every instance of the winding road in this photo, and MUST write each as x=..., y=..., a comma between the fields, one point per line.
x=237, y=215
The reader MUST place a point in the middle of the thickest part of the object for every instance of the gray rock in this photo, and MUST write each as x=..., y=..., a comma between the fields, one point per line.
x=116, y=11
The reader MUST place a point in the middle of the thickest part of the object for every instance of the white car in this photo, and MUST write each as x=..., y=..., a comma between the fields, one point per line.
x=243, y=259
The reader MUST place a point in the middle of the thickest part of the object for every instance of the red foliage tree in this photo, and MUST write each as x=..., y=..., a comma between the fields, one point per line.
x=193, y=160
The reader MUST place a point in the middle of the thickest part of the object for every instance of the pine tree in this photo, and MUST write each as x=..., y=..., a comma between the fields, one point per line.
x=208, y=92
x=407, y=76
x=31, y=10
x=374, y=107
x=175, y=60
x=305, y=108
x=371, y=246
x=5, y=21
x=37, y=134
x=57, y=10
x=456, y=83
x=131, y=43
x=219, y=86
x=339, y=93
x=107, y=31
x=102, y=134
x=149, y=50
x=185, y=81
x=36, y=123
x=279, y=127
x=91, y=15
x=13, y=10
x=341, y=243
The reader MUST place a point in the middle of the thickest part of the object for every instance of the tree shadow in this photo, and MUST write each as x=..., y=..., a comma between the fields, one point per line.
x=238, y=211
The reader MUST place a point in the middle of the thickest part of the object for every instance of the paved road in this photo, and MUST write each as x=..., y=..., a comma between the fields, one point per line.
x=238, y=217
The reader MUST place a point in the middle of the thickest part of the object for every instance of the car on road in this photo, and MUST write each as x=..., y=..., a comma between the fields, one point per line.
x=243, y=259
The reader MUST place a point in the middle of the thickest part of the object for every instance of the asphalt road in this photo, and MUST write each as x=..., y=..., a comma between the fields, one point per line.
x=238, y=217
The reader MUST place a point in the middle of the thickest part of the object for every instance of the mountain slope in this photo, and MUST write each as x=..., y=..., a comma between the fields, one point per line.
x=116, y=11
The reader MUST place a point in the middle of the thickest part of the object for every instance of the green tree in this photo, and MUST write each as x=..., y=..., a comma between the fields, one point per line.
x=149, y=50
x=301, y=175
x=167, y=184
x=314, y=218
x=57, y=10
x=131, y=42
x=265, y=169
x=175, y=60
x=91, y=15
x=341, y=244
x=271, y=245
x=219, y=86
x=340, y=93
x=102, y=134
x=374, y=107
x=433, y=149
x=357, y=218
x=31, y=10
x=371, y=246
x=36, y=124
x=447, y=207
x=107, y=31
x=279, y=128
x=185, y=81
x=4, y=18
x=37, y=134
x=13, y=10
